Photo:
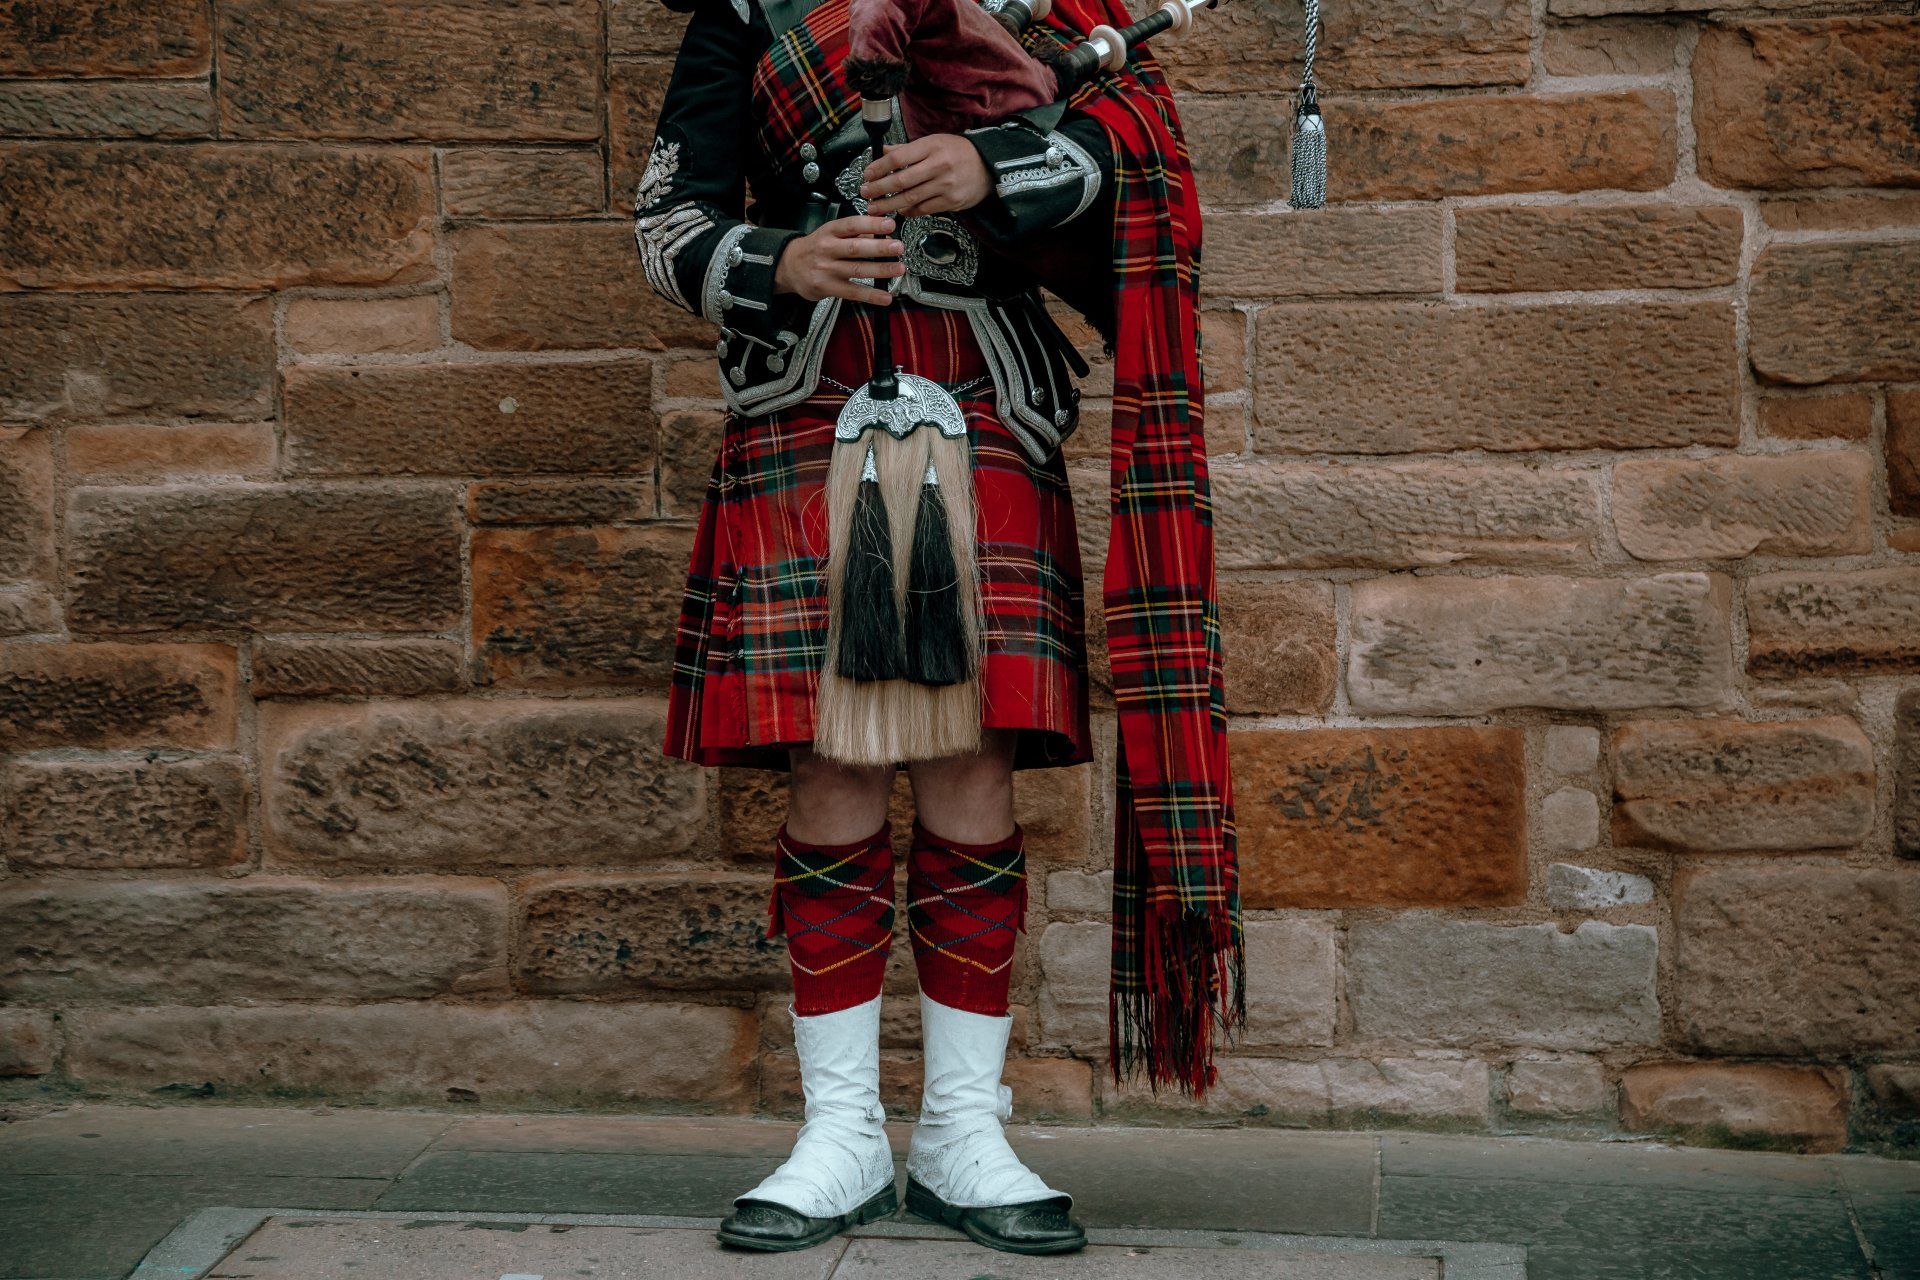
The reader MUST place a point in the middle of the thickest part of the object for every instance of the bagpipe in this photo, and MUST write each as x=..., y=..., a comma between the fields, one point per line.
x=901, y=679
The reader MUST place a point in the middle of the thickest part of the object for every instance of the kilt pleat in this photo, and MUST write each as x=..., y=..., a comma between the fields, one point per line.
x=752, y=630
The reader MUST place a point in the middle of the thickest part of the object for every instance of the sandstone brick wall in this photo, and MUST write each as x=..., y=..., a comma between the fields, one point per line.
x=1568, y=478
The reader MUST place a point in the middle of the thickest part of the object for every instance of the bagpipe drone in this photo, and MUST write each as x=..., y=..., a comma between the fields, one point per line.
x=902, y=675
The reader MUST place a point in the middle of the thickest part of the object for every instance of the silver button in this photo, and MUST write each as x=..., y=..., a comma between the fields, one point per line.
x=720, y=348
x=736, y=375
x=776, y=362
x=724, y=298
x=808, y=152
x=1036, y=396
x=734, y=256
x=1061, y=418
x=1055, y=157
x=810, y=172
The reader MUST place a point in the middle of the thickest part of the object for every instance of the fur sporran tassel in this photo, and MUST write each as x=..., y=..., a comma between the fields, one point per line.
x=869, y=645
x=885, y=721
x=937, y=646
x=1309, y=129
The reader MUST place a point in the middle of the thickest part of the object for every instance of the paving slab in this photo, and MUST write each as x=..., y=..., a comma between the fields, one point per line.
x=1310, y=1183
x=638, y=1135
x=947, y=1259
x=265, y=1141
x=1611, y=1232
x=1622, y=1164
x=65, y=1226
x=269, y=1244
x=568, y=1182
x=303, y=1248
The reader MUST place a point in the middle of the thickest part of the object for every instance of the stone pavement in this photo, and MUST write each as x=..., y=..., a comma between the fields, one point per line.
x=93, y=1192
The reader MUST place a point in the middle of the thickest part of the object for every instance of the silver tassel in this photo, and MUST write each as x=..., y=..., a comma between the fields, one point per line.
x=1309, y=130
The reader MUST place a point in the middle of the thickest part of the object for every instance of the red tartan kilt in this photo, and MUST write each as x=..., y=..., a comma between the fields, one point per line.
x=752, y=632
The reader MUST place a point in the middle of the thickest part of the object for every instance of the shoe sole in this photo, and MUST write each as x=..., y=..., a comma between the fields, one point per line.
x=883, y=1205
x=923, y=1203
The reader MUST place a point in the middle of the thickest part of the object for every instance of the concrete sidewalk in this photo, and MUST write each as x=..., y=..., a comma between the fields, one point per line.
x=89, y=1192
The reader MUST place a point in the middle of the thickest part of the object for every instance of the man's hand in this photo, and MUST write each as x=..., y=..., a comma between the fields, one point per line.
x=824, y=264
x=940, y=173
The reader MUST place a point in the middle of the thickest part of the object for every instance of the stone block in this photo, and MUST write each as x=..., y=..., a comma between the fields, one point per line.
x=485, y=182
x=228, y=216
x=148, y=452
x=1747, y=1104
x=1570, y=819
x=1820, y=103
x=116, y=696
x=1903, y=452
x=1800, y=961
x=1076, y=960
x=329, y=668
x=104, y=38
x=1830, y=623
x=1727, y=785
x=1572, y=750
x=540, y=286
x=28, y=1041
x=1278, y=640
x=124, y=814
x=1558, y=1087
x=584, y=501
x=267, y=557
x=1461, y=646
x=1413, y=377
x=26, y=503
x=547, y=1052
x=674, y=930
x=1611, y=47
x=93, y=109
x=496, y=782
x=1834, y=312
x=1312, y=515
x=121, y=356
x=469, y=419
x=567, y=605
x=1291, y=978
x=1326, y=251
x=1812, y=503
x=1378, y=816
x=363, y=326
x=442, y=69
x=1422, y=979
x=1542, y=248
x=1574, y=888
x=1845, y=416
x=205, y=941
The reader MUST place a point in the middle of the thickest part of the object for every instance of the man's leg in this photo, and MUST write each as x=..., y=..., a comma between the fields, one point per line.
x=966, y=903
x=833, y=898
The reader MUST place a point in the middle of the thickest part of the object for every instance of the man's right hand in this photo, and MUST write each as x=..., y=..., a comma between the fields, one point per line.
x=823, y=264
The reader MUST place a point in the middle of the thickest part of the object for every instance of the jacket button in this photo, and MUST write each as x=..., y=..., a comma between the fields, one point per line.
x=1055, y=157
x=810, y=172
x=1061, y=418
x=724, y=298
x=1036, y=397
x=808, y=151
x=736, y=375
x=776, y=362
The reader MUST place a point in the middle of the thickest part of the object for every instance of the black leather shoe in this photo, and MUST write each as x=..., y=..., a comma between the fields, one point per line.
x=1038, y=1226
x=762, y=1224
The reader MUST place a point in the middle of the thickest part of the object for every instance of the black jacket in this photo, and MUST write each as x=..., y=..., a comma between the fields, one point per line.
x=712, y=213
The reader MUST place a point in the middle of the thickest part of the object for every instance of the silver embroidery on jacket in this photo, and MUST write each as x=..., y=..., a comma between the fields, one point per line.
x=661, y=229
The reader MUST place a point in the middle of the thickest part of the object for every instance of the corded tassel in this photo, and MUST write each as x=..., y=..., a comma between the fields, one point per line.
x=1309, y=156
x=870, y=647
x=936, y=633
x=1309, y=130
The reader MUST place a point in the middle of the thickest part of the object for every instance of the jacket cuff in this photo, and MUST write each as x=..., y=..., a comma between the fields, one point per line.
x=1041, y=178
x=737, y=293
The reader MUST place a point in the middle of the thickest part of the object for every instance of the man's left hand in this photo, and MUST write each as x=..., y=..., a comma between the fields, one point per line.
x=940, y=173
